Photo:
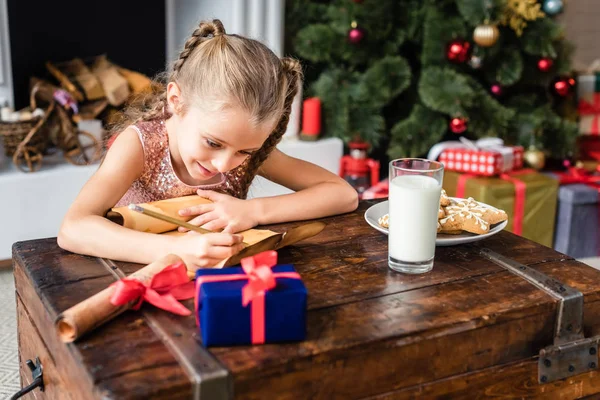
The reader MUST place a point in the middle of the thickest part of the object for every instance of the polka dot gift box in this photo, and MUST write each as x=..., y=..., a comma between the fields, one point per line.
x=485, y=157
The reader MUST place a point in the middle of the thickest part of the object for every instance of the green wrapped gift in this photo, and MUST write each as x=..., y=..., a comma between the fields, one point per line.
x=526, y=190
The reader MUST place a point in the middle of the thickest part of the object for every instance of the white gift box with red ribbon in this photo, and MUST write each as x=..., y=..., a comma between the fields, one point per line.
x=485, y=157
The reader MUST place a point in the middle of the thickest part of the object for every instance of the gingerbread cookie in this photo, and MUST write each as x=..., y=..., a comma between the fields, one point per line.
x=444, y=199
x=441, y=213
x=471, y=216
x=385, y=221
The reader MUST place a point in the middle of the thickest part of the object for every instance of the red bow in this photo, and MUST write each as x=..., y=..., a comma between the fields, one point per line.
x=587, y=108
x=163, y=291
x=260, y=280
x=579, y=175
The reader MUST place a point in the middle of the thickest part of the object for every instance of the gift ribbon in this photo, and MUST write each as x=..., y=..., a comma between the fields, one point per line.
x=163, y=290
x=261, y=279
x=580, y=175
x=520, y=192
x=593, y=109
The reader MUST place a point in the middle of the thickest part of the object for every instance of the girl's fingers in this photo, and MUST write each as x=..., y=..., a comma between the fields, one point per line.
x=223, y=239
x=223, y=252
x=215, y=225
x=203, y=219
x=197, y=209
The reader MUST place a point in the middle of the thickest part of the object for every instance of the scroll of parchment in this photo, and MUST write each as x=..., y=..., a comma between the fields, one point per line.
x=259, y=240
x=96, y=310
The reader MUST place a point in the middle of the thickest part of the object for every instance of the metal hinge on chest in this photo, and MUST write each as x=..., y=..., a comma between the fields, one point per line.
x=572, y=353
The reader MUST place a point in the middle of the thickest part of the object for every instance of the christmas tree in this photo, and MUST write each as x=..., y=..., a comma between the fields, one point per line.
x=406, y=74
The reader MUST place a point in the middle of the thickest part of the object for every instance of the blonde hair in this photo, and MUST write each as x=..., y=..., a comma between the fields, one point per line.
x=231, y=67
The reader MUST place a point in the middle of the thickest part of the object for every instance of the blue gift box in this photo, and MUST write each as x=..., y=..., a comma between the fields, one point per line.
x=577, y=231
x=225, y=321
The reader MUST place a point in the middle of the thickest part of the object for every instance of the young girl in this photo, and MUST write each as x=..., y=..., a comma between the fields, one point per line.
x=210, y=130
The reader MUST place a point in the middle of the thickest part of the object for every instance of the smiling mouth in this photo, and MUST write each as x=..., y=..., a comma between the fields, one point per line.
x=206, y=172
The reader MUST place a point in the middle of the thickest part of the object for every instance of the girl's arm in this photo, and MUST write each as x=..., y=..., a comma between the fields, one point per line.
x=319, y=193
x=85, y=230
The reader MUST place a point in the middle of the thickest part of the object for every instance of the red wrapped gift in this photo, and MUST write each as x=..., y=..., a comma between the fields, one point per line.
x=588, y=92
x=485, y=157
x=378, y=191
x=588, y=148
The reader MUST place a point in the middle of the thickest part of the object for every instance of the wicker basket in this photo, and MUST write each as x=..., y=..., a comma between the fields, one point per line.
x=32, y=130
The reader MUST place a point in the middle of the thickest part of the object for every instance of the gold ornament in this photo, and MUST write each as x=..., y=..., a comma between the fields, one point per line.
x=486, y=35
x=518, y=12
x=535, y=158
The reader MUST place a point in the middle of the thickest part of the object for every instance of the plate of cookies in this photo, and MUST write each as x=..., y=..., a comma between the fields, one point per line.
x=459, y=220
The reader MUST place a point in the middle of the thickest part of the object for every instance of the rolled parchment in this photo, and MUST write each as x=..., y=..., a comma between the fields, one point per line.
x=144, y=223
x=96, y=310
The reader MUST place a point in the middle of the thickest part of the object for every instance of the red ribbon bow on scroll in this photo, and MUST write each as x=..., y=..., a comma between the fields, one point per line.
x=261, y=279
x=163, y=291
x=587, y=108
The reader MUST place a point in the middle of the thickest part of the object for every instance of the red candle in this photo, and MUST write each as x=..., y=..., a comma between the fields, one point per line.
x=311, y=116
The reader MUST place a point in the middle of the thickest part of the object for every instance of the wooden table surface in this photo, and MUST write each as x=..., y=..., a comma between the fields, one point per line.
x=468, y=326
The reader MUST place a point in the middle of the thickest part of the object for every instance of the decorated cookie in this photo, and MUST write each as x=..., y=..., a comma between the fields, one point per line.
x=385, y=221
x=444, y=199
x=471, y=216
x=441, y=213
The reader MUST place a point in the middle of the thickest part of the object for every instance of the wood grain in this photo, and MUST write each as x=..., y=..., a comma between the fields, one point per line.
x=371, y=331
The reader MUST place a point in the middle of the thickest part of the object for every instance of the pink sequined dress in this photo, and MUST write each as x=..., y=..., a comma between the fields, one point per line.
x=159, y=181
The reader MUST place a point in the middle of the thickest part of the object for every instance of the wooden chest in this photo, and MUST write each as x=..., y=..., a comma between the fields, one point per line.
x=471, y=328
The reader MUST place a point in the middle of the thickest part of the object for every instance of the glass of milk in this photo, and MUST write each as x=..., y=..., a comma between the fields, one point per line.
x=414, y=201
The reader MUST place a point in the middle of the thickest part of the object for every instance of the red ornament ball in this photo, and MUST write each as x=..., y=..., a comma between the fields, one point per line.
x=544, y=64
x=458, y=125
x=496, y=89
x=458, y=51
x=563, y=86
x=356, y=35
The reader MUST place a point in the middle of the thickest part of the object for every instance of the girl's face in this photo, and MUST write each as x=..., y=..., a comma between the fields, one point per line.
x=212, y=142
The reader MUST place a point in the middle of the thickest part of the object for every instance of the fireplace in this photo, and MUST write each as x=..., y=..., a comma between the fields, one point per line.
x=131, y=33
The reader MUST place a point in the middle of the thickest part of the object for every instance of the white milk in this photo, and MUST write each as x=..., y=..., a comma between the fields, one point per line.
x=414, y=203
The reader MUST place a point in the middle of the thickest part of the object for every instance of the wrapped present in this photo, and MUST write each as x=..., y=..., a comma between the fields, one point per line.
x=259, y=302
x=485, y=157
x=528, y=197
x=578, y=215
x=588, y=95
x=378, y=191
x=588, y=148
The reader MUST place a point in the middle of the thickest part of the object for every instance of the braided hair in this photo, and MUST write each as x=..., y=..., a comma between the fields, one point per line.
x=237, y=69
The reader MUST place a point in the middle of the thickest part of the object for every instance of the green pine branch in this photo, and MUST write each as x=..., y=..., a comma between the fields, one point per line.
x=539, y=36
x=439, y=30
x=509, y=68
x=446, y=91
x=317, y=43
x=384, y=80
x=414, y=136
x=478, y=11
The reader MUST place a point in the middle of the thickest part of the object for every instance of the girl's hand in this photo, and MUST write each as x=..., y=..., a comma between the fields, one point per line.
x=225, y=212
x=207, y=250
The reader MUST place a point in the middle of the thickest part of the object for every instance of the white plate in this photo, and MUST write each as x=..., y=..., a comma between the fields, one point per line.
x=375, y=212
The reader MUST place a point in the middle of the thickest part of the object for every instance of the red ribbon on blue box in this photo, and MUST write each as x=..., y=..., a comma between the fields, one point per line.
x=261, y=279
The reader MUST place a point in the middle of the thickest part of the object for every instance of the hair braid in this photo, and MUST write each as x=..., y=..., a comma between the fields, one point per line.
x=205, y=30
x=292, y=74
x=153, y=104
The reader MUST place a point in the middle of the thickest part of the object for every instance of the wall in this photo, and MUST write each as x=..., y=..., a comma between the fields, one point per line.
x=259, y=19
x=582, y=27
x=5, y=70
